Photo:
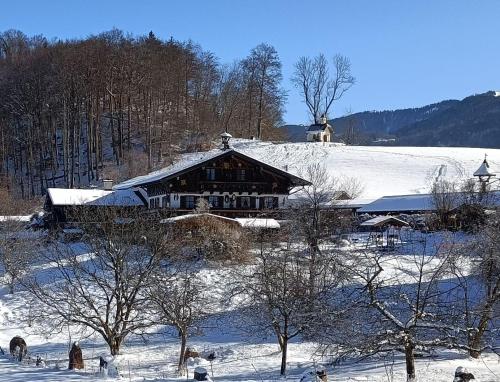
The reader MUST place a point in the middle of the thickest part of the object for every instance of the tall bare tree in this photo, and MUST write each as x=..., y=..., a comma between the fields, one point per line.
x=319, y=86
x=263, y=77
x=72, y=111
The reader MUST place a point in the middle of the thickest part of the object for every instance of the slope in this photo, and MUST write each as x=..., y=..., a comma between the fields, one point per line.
x=381, y=170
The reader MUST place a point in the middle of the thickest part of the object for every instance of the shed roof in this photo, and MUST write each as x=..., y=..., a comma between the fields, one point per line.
x=422, y=203
x=400, y=203
x=93, y=197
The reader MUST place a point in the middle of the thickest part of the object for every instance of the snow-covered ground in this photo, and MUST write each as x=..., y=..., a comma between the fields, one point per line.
x=381, y=170
x=239, y=357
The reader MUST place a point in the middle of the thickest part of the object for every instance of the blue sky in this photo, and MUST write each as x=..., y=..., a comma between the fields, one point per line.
x=403, y=53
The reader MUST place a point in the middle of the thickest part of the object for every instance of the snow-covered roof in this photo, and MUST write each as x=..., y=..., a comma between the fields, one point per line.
x=383, y=220
x=422, y=202
x=258, y=223
x=194, y=216
x=353, y=203
x=318, y=128
x=190, y=161
x=15, y=218
x=400, y=203
x=93, y=197
x=244, y=222
x=484, y=170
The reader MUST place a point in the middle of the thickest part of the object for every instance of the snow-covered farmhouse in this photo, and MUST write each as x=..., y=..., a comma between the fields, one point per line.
x=320, y=132
x=232, y=183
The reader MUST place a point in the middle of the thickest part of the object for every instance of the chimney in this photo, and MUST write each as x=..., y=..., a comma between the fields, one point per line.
x=225, y=137
x=107, y=184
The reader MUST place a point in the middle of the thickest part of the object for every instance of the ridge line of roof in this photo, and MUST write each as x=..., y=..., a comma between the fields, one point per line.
x=206, y=156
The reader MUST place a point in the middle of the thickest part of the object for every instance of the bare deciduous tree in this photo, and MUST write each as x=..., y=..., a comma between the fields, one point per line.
x=479, y=291
x=274, y=297
x=262, y=70
x=314, y=215
x=275, y=293
x=318, y=86
x=405, y=311
x=180, y=299
x=102, y=285
x=445, y=198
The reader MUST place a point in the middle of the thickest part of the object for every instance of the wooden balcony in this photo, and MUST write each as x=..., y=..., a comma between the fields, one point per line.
x=237, y=187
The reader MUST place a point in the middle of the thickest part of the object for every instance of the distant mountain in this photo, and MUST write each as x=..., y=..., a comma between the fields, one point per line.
x=471, y=122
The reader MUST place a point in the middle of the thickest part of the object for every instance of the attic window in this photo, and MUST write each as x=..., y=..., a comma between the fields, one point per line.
x=240, y=174
x=210, y=173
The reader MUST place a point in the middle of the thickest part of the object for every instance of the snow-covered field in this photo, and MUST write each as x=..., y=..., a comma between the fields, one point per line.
x=239, y=357
x=381, y=170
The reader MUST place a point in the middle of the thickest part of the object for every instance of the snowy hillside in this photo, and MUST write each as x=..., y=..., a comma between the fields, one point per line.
x=381, y=170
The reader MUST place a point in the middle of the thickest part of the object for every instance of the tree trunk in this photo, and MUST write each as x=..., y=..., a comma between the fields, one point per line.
x=410, y=361
x=284, y=349
x=114, y=345
x=12, y=289
x=476, y=337
x=182, y=362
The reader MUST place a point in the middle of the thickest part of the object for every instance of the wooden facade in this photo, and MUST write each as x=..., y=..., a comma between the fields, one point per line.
x=232, y=183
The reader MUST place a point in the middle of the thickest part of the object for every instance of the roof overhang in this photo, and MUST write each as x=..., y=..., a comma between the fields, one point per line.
x=295, y=180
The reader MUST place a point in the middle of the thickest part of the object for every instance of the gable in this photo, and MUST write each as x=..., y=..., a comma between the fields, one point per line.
x=214, y=159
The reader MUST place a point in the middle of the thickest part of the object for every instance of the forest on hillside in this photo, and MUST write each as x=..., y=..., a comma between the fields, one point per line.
x=73, y=112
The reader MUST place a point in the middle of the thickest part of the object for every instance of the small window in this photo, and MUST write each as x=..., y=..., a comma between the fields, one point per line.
x=245, y=202
x=269, y=202
x=240, y=174
x=190, y=201
x=183, y=182
x=213, y=201
x=165, y=201
x=154, y=202
x=210, y=173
